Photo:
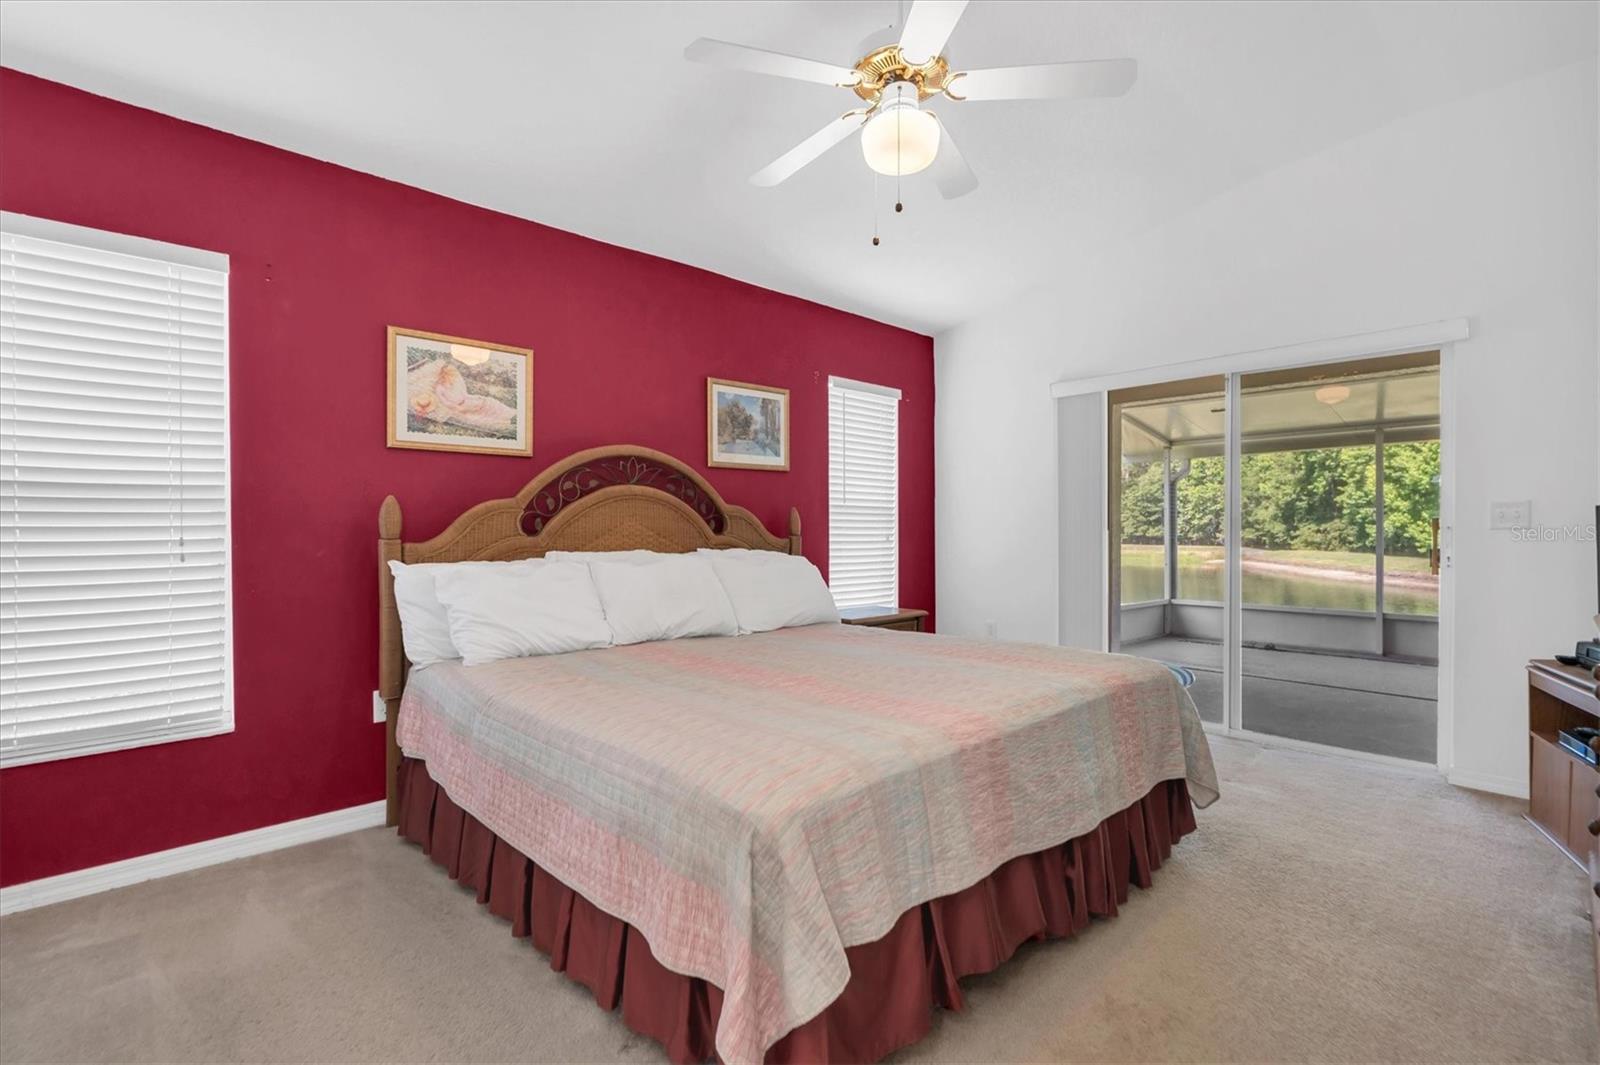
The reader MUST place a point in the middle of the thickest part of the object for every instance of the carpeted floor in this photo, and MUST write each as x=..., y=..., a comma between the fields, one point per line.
x=1328, y=910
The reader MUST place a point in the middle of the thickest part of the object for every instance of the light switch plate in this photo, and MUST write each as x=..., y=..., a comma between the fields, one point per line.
x=1514, y=515
x=380, y=712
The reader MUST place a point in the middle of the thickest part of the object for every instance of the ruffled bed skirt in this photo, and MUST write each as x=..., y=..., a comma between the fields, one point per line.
x=894, y=981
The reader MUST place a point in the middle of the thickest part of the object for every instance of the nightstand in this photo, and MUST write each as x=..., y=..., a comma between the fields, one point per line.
x=905, y=619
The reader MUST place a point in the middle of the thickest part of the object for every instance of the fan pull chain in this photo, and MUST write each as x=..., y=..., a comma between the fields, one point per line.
x=874, y=208
x=899, y=118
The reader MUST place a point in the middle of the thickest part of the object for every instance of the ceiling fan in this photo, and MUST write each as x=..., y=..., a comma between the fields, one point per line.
x=899, y=135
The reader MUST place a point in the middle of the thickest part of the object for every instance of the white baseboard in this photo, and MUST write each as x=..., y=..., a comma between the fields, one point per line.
x=194, y=856
x=1490, y=782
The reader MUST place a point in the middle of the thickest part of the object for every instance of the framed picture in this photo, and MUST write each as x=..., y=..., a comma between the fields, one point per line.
x=453, y=394
x=747, y=426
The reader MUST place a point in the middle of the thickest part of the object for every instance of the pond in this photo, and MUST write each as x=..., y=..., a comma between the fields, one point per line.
x=1280, y=579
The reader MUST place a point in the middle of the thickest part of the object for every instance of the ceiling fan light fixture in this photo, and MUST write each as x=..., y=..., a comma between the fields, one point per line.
x=892, y=79
x=900, y=138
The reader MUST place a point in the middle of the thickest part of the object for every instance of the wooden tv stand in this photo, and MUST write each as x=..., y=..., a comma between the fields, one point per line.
x=1563, y=790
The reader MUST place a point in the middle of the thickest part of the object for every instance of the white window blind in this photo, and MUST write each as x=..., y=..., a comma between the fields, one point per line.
x=113, y=492
x=863, y=495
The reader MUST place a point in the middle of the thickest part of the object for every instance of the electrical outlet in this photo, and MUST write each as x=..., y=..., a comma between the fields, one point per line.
x=1514, y=515
x=380, y=712
x=991, y=629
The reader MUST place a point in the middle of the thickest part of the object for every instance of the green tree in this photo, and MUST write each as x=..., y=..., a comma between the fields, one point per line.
x=1141, y=502
x=1317, y=499
x=1410, y=496
x=1269, y=484
x=1201, y=503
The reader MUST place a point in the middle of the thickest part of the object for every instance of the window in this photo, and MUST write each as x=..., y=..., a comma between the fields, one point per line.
x=863, y=496
x=113, y=492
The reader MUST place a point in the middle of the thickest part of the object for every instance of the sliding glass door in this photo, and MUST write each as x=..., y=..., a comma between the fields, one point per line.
x=1274, y=534
x=1339, y=483
x=1167, y=544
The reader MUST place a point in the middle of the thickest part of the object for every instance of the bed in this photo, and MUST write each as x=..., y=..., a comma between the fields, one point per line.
x=784, y=846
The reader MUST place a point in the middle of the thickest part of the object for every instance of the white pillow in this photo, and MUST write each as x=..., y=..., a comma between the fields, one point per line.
x=423, y=628
x=537, y=608
x=770, y=590
x=664, y=597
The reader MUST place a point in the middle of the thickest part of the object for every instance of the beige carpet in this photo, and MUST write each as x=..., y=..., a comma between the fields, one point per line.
x=1328, y=910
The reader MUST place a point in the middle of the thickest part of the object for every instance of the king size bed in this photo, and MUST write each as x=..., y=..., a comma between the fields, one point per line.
x=785, y=845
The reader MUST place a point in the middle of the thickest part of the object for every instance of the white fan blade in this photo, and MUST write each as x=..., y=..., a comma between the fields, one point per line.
x=760, y=61
x=1094, y=77
x=785, y=165
x=950, y=171
x=928, y=27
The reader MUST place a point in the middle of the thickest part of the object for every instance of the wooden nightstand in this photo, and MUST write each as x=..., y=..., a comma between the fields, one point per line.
x=905, y=619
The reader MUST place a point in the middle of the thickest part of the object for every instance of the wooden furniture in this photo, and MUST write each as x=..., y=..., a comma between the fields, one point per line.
x=1563, y=790
x=905, y=619
x=613, y=498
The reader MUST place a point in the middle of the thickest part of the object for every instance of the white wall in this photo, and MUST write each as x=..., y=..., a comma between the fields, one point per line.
x=1483, y=208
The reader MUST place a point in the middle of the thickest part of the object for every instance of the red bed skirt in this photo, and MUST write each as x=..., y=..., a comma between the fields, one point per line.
x=894, y=981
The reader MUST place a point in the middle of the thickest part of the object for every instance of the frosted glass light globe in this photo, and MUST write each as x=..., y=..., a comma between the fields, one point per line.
x=900, y=140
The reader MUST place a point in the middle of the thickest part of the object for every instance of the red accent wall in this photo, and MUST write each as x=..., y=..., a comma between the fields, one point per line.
x=323, y=258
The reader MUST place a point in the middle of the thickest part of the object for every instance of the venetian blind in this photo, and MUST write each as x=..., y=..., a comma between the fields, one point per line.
x=863, y=495
x=113, y=492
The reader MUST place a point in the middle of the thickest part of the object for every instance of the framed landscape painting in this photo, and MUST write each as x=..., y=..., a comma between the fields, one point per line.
x=453, y=394
x=747, y=426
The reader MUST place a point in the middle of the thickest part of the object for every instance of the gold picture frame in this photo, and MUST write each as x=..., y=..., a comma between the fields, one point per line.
x=744, y=424
x=450, y=393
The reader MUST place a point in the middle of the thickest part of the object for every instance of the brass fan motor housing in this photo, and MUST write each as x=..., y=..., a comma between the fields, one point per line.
x=878, y=69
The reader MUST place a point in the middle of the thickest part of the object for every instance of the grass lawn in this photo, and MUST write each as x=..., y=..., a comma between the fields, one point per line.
x=1149, y=555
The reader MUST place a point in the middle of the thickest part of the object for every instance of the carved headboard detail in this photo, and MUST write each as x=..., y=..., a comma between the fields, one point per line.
x=614, y=498
x=580, y=478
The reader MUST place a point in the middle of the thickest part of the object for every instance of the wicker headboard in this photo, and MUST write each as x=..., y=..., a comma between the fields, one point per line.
x=613, y=498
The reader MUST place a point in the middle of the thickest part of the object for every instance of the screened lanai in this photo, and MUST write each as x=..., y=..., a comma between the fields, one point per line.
x=1339, y=588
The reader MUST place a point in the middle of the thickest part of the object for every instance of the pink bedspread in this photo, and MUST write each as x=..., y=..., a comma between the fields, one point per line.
x=755, y=804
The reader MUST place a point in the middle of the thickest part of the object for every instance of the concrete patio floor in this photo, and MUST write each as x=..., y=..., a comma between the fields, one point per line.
x=1380, y=706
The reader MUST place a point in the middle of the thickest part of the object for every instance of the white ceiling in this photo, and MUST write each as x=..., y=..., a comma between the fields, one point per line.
x=585, y=116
